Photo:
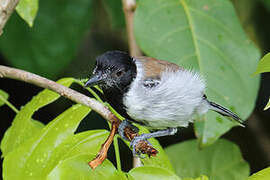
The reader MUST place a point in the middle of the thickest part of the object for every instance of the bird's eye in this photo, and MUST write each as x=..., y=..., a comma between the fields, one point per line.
x=119, y=73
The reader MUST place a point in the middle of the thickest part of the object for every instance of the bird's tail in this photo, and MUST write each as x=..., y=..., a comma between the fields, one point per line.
x=225, y=112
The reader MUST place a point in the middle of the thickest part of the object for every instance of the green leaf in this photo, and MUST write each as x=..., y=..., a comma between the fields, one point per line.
x=84, y=142
x=206, y=36
x=3, y=97
x=267, y=105
x=266, y=4
x=261, y=175
x=161, y=160
x=48, y=47
x=38, y=156
x=199, y=178
x=76, y=167
x=28, y=9
x=22, y=126
x=153, y=173
x=115, y=12
x=264, y=64
x=220, y=161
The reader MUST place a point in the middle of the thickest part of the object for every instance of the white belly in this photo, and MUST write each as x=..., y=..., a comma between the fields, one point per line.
x=172, y=103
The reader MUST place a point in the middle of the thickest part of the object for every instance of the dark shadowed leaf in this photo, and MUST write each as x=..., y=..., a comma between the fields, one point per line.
x=115, y=12
x=264, y=66
x=220, y=161
x=204, y=35
x=3, y=97
x=52, y=43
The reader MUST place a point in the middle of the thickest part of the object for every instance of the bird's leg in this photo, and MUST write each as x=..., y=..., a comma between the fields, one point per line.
x=124, y=124
x=143, y=137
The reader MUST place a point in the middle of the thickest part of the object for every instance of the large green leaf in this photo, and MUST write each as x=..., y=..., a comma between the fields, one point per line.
x=37, y=157
x=3, y=97
x=204, y=35
x=153, y=173
x=199, y=178
x=28, y=9
x=220, y=161
x=261, y=175
x=76, y=167
x=23, y=127
x=84, y=142
x=52, y=43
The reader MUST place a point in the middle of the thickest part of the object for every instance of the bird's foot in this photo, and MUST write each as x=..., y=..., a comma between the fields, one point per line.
x=135, y=141
x=124, y=124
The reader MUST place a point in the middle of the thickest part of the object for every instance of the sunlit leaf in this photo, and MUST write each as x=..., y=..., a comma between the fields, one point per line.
x=37, y=157
x=206, y=36
x=28, y=9
x=220, y=161
x=76, y=167
x=153, y=173
x=264, y=64
x=261, y=175
x=22, y=126
x=199, y=178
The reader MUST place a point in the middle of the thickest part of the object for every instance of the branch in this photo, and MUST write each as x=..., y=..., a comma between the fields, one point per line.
x=6, y=9
x=129, y=7
x=13, y=73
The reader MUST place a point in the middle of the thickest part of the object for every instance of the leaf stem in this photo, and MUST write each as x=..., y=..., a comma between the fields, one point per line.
x=117, y=153
x=9, y=104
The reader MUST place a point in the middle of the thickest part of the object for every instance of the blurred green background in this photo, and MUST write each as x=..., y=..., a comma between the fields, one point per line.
x=68, y=35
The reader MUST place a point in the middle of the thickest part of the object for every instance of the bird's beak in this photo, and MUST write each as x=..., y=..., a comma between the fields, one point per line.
x=94, y=80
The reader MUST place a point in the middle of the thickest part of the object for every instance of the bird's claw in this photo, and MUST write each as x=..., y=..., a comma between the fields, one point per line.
x=135, y=141
x=124, y=124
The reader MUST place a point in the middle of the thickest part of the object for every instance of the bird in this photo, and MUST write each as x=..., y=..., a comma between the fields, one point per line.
x=157, y=94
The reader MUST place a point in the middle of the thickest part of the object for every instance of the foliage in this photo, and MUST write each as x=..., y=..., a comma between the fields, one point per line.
x=193, y=34
x=220, y=161
x=55, y=152
x=47, y=48
x=264, y=66
x=261, y=175
x=203, y=35
x=28, y=9
x=3, y=97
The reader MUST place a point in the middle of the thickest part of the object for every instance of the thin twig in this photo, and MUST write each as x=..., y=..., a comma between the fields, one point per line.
x=129, y=7
x=6, y=9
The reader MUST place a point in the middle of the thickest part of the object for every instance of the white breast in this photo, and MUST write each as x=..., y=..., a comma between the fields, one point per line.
x=172, y=103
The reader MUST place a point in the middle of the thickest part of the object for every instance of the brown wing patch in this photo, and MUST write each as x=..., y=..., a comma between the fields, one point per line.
x=154, y=67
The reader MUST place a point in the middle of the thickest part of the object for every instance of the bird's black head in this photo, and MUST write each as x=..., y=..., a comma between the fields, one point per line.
x=113, y=70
